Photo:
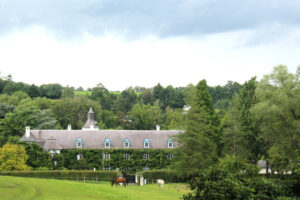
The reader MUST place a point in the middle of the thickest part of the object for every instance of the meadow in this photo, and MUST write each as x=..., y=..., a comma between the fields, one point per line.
x=40, y=189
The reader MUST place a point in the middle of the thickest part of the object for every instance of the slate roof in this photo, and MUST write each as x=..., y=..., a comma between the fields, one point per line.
x=94, y=139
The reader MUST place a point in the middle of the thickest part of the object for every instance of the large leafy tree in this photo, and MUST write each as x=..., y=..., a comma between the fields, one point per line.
x=74, y=111
x=144, y=117
x=52, y=91
x=279, y=113
x=25, y=114
x=102, y=95
x=199, y=142
x=13, y=157
x=4, y=108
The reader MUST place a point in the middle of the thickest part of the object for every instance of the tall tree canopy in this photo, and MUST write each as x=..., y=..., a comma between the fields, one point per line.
x=198, y=143
x=279, y=113
x=250, y=126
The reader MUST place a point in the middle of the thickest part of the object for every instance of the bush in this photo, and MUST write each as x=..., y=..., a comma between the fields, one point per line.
x=169, y=176
x=233, y=179
x=64, y=174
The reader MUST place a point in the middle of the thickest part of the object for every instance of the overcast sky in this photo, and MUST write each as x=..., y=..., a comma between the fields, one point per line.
x=124, y=43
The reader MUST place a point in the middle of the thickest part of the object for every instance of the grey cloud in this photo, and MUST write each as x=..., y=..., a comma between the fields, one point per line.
x=135, y=18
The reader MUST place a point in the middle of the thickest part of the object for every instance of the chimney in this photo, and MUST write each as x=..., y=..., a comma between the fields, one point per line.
x=91, y=114
x=69, y=127
x=157, y=127
x=27, y=132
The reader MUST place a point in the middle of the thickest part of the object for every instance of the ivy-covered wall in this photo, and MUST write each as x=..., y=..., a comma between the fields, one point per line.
x=158, y=159
x=94, y=158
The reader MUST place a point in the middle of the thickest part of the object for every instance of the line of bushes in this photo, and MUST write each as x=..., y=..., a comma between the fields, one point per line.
x=64, y=174
x=169, y=176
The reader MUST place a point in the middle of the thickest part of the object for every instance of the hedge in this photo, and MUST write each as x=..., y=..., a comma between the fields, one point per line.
x=169, y=176
x=64, y=174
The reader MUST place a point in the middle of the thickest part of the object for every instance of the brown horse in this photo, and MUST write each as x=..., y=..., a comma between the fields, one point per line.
x=118, y=181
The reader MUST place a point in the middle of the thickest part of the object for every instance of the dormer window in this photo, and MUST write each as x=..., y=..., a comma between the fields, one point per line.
x=126, y=143
x=146, y=143
x=107, y=143
x=170, y=143
x=79, y=143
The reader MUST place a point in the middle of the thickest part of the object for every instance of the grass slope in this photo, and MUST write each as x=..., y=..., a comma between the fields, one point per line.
x=31, y=188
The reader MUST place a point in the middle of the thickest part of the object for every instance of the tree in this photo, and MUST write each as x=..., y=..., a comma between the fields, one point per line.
x=13, y=99
x=279, y=112
x=33, y=91
x=198, y=147
x=67, y=93
x=232, y=138
x=125, y=101
x=74, y=111
x=144, y=117
x=174, y=119
x=189, y=92
x=102, y=95
x=146, y=97
x=52, y=91
x=13, y=157
x=4, y=108
x=250, y=125
x=225, y=181
x=25, y=114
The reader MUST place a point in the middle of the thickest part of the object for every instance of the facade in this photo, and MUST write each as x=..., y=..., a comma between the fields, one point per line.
x=91, y=138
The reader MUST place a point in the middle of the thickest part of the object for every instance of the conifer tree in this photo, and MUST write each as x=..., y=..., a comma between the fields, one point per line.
x=250, y=126
x=198, y=143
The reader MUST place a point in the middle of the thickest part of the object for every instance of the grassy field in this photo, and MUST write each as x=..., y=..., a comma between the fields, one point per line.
x=82, y=93
x=30, y=188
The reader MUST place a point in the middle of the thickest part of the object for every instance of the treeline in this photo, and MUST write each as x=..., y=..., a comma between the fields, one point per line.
x=220, y=151
x=262, y=122
x=52, y=106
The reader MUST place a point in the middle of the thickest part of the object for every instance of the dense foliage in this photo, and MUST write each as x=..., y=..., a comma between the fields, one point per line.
x=95, y=158
x=259, y=120
x=169, y=176
x=234, y=179
x=200, y=140
x=13, y=157
x=64, y=174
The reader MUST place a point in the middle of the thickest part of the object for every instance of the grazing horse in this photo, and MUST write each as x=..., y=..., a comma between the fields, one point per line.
x=118, y=181
x=161, y=183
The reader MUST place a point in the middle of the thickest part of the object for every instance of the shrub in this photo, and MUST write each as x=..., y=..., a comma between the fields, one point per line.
x=64, y=174
x=167, y=175
x=233, y=179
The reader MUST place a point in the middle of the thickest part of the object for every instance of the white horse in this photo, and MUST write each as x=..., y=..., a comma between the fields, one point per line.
x=161, y=183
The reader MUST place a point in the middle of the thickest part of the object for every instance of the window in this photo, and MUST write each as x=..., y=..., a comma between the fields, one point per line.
x=146, y=156
x=170, y=156
x=170, y=143
x=106, y=156
x=107, y=143
x=146, y=168
x=127, y=168
x=106, y=168
x=127, y=156
x=146, y=143
x=79, y=156
x=126, y=143
x=79, y=143
x=52, y=152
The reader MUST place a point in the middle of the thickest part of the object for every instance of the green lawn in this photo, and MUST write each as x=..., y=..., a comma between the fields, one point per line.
x=31, y=188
